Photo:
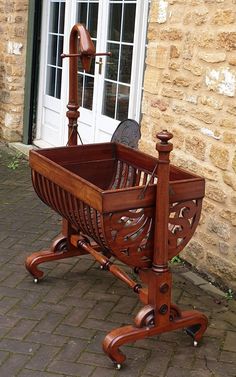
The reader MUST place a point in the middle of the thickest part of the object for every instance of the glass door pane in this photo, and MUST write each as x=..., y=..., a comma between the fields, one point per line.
x=87, y=14
x=120, y=41
x=55, y=48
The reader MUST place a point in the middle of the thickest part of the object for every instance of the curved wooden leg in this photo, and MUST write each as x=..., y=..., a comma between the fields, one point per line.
x=118, y=337
x=59, y=250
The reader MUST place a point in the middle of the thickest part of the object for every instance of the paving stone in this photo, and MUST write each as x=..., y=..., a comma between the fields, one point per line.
x=7, y=321
x=56, y=308
x=194, y=278
x=72, y=350
x=102, y=311
x=43, y=356
x=156, y=363
x=95, y=324
x=22, y=329
x=93, y=359
x=211, y=289
x=125, y=306
x=33, y=373
x=208, y=348
x=16, y=346
x=81, y=302
x=47, y=339
x=76, y=316
x=3, y=356
x=56, y=328
x=12, y=365
x=49, y=322
x=180, y=372
x=95, y=343
x=103, y=372
x=7, y=303
x=75, y=332
x=71, y=369
x=229, y=357
x=216, y=368
x=183, y=357
x=230, y=342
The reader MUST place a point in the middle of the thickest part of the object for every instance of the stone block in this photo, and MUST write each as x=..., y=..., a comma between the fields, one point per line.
x=224, y=17
x=211, y=101
x=181, y=81
x=234, y=162
x=229, y=215
x=232, y=109
x=203, y=115
x=220, y=228
x=171, y=34
x=152, y=80
x=230, y=179
x=174, y=52
x=157, y=56
x=195, y=69
x=215, y=57
x=227, y=40
x=196, y=147
x=215, y=193
x=172, y=93
x=232, y=59
x=219, y=156
x=229, y=138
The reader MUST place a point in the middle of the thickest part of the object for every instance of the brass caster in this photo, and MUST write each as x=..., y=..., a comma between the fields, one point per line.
x=118, y=366
x=195, y=343
x=36, y=281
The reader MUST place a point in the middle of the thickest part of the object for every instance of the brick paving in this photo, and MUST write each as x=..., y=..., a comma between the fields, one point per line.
x=55, y=328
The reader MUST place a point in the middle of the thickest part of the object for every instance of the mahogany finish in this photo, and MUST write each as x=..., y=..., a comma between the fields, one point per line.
x=120, y=202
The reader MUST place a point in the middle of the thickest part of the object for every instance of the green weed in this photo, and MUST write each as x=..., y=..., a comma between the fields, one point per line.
x=176, y=260
x=15, y=162
x=229, y=294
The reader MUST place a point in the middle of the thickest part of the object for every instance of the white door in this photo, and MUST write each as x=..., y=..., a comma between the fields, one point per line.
x=112, y=91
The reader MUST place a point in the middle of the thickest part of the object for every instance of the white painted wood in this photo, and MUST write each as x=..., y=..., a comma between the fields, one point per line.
x=93, y=125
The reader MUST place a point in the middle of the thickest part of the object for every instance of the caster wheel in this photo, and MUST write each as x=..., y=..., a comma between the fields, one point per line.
x=36, y=281
x=145, y=317
x=195, y=343
x=62, y=246
x=118, y=366
x=192, y=330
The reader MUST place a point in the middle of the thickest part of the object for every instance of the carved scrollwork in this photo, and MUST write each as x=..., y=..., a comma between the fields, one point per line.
x=129, y=235
x=183, y=220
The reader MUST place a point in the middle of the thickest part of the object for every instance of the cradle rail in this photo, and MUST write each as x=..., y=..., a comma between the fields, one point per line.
x=108, y=199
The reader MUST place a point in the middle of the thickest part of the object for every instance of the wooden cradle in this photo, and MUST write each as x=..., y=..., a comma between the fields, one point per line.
x=120, y=202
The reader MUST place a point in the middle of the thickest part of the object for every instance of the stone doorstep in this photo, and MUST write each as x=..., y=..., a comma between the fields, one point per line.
x=203, y=284
x=22, y=148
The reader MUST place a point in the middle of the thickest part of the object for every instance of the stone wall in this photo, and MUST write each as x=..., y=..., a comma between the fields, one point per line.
x=13, y=35
x=190, y=89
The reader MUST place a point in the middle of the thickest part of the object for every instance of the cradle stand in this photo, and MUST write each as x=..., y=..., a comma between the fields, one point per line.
x=134, y=207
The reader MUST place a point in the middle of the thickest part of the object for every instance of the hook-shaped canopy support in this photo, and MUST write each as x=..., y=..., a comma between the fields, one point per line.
x=81, y=45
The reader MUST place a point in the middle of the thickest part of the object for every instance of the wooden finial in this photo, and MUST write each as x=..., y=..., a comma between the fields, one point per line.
x=164, y=136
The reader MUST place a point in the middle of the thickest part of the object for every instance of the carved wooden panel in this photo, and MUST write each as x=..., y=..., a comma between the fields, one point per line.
x=183, y=220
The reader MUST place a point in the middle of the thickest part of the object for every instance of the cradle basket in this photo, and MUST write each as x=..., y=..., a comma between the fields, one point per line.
x=108, y=192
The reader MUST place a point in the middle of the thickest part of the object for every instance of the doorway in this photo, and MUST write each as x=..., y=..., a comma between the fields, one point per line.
x=112, y=91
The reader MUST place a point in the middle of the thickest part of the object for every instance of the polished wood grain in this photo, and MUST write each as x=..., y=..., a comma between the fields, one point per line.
x=120, y=202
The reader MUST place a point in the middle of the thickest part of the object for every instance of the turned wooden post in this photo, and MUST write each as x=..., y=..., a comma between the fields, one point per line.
x=160, y=281
x=87, y=51
x=160, y=257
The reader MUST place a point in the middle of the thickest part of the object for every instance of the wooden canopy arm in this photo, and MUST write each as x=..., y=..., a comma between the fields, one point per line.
x=85, y=50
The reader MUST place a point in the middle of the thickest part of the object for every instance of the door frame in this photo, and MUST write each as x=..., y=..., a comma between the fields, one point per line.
x=139, y=54
x=31, y=69
x=138, y=63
